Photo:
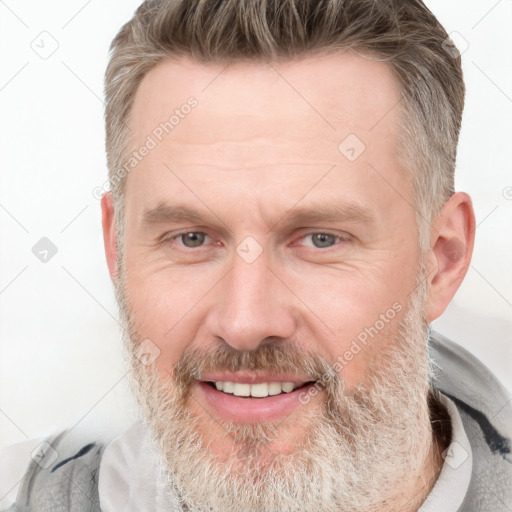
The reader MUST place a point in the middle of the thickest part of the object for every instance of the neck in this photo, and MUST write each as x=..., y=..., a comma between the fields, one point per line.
x=420, y=487
x=415, y=490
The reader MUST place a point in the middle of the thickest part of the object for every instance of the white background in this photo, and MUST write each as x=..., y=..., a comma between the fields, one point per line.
x=61, y=362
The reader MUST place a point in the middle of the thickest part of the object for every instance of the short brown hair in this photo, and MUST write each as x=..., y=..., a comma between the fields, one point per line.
x=403, y=33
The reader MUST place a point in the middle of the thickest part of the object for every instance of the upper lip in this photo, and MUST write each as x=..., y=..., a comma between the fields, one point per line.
x=252, y=378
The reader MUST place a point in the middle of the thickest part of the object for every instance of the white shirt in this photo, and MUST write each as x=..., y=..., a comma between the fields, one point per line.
x=129, y=475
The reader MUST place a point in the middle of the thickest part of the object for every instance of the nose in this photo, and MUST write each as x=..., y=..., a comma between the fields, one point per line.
x=251, y=306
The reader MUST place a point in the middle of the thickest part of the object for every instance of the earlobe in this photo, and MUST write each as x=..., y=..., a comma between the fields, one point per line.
x=453, y=235
x=109, y=234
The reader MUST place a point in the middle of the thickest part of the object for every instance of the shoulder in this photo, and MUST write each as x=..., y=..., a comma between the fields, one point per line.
x=46, y=471
x=485, y=408
x=461, y=375
x=14, y=460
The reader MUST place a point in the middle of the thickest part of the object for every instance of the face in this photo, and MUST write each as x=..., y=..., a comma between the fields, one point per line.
x=271, y=250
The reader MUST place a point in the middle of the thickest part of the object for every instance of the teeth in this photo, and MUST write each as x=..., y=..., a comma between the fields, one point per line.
x=274, y=388
x=260, y=390
x=242, y=389
x=287, y=386
x=228, y=387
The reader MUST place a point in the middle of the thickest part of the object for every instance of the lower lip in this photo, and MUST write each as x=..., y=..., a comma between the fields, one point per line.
x=251, y=410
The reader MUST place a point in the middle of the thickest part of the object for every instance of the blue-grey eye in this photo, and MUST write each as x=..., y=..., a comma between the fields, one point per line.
x=193, y=239
x=322, y=240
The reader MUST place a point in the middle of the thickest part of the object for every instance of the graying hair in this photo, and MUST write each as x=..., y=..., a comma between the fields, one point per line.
x=403, y=33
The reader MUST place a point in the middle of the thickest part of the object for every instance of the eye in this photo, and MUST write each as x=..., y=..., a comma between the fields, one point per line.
x=191, y=238
x=322, y=240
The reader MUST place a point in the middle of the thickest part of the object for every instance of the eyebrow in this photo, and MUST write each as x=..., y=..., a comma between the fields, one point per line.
x=326, y=213
x=167, y=214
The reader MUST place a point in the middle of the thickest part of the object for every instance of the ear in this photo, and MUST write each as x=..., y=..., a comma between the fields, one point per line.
x=109, y=234
x=451, y=247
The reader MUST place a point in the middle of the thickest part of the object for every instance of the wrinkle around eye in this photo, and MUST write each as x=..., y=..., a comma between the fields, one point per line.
x=340, y=239
x=182, y=236
x=171, y=240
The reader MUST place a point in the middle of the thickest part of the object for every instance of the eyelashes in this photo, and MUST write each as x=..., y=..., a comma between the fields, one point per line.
x=322, y=240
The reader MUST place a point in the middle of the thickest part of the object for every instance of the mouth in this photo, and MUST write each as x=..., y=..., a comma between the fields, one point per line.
x=252, y=402
x=259, y=390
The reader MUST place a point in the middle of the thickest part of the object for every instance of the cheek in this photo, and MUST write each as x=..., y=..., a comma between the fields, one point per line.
x=166, y=309
x=358, y=316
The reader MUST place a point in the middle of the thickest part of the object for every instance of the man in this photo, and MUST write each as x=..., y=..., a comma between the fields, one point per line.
x=282, y=229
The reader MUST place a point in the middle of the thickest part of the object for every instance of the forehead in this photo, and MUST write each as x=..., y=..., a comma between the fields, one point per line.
x=258, y=122
x=335, y=92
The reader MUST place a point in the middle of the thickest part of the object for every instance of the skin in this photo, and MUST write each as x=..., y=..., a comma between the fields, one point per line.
x=261, y=144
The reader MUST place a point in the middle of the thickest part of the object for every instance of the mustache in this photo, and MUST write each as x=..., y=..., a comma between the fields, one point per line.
x=271, y=358
x=340, y=403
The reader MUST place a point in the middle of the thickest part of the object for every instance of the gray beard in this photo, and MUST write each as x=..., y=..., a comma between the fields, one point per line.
x=355, y=452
